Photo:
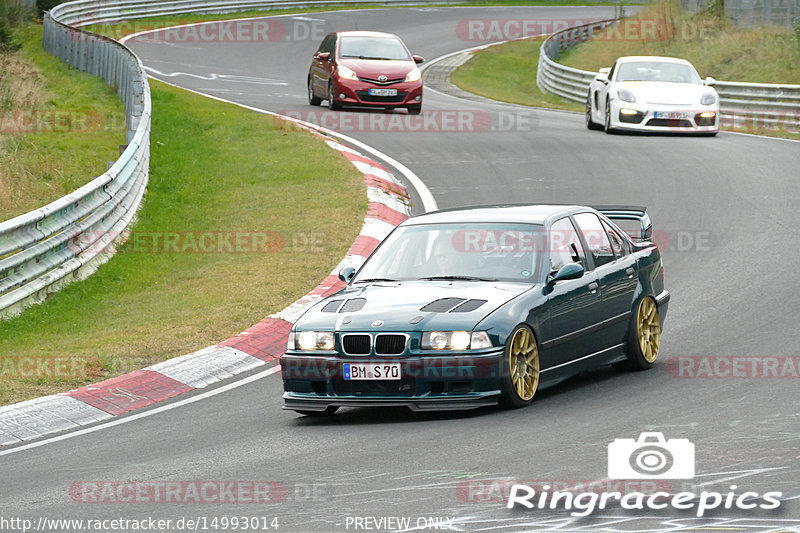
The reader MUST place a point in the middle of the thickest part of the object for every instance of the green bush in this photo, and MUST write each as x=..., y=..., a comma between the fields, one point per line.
x=10, y=16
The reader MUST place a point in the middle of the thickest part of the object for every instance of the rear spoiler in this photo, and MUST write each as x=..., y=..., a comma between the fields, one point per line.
x=625, y=216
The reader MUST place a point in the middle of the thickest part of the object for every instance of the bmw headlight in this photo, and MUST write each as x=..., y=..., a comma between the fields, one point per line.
x=708, y=99
x=626, y=96
x=346, y=73
x=414, y=75
x=455, y=340
x=311, y=340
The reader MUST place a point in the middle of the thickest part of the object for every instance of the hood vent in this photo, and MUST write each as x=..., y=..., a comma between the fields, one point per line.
x=353, y=305
x=469, y=305
x=442, y=305
x=350, y=306
x=452, y=305
x=332, y=306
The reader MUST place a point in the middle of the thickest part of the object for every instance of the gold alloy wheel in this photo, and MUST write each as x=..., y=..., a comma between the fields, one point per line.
x=649, y=329
x=523, y=363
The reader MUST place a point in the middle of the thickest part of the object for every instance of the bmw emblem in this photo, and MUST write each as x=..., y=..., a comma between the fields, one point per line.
x=377, y=323
x=382, y=78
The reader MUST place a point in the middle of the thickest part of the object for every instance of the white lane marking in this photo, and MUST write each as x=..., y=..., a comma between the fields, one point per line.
x=125, y=420
x=224, y=77
x=760, y=136
x=428, y=201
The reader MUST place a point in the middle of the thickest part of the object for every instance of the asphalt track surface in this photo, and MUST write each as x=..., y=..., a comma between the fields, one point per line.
x=726, y=204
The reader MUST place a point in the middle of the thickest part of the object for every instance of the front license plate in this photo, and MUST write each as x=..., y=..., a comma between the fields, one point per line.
x=670, y=114
x=371, y=371
x=383, y=92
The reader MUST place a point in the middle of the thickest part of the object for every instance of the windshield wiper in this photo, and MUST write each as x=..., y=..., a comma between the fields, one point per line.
x=465, y=278
x=370, y=280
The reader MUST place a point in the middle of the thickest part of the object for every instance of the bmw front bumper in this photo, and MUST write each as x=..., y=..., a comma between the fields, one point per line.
x=427, y=383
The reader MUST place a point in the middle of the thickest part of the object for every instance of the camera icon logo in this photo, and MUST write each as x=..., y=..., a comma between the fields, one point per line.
x=651, y=457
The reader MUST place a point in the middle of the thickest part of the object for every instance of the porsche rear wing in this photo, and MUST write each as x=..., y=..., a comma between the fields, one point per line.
x=632, y=219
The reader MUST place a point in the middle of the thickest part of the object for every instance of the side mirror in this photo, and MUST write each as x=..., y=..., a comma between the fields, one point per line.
x=346, y=274
x=323, y=56
x=602, y=75
x=710, y=81
x=568, y=271
x=419, y=59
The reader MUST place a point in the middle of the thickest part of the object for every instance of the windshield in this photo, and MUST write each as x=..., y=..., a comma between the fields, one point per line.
x=657, y=71
x=373, y=48
x=473, y=252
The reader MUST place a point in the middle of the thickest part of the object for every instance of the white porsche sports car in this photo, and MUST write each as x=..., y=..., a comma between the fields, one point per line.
x=652, y=93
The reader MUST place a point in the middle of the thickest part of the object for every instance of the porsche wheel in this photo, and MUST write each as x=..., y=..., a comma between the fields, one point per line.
x=333, y=105
x=520, y=369
x=591, y=124
x=312, y=98
x=644, y=337
x=607, y=126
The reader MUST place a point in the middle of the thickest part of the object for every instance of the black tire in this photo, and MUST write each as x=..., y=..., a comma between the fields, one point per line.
x=517, y=389
x=333, y=104
x=607, y=125
x=415, y=109
x=329, y=411
x=591, y=124
x=312, y=98
x=644, y=337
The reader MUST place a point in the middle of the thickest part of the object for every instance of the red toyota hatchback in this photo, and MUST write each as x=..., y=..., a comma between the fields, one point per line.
x=365, y=68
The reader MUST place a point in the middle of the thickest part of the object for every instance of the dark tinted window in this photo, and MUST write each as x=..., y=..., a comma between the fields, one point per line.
x=618, y=244
x=327, y=44
x=595, y=237
x=565, y=246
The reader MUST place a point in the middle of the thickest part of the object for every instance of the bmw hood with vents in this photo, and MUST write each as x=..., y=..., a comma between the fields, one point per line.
x=409, y=306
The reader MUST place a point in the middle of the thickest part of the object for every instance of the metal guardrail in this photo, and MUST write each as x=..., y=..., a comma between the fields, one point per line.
x=68, y=239
x=96, y=12
x=762, y=105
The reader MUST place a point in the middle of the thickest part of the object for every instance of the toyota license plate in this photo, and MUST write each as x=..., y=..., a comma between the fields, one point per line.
x=670, y=114
x=383, y=92
x=371, y=371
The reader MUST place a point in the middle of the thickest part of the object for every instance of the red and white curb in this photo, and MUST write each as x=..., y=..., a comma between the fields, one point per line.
x=257, y=346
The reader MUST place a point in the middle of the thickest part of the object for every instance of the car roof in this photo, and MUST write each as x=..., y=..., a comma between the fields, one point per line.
x=660, y=59
x=360, y=33
x=519, y=213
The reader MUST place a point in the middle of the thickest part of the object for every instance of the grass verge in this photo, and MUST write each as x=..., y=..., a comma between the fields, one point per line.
x=507, y=72
x=766, y=54
x=217, y=172
x=58, y=127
